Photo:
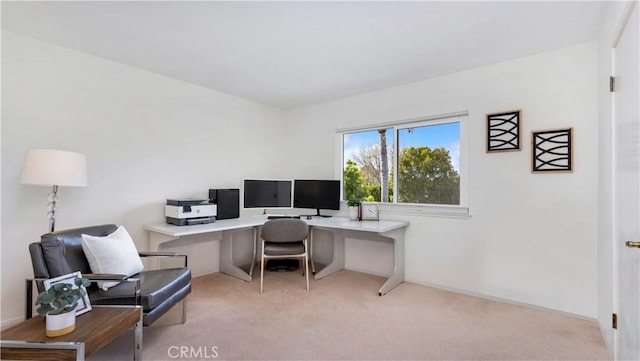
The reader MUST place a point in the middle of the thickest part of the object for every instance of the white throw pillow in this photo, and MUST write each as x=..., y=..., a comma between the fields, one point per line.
x=115, y=253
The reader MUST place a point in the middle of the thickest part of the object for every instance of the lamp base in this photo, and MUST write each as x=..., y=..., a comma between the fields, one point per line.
x=53, y=203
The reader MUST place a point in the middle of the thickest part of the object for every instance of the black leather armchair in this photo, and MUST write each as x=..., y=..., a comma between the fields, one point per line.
x=60, y=253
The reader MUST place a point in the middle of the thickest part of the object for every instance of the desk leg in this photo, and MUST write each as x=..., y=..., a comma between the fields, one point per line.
x=155, y=240
x=255, y=250
x=226, y=257
x=137, y=352
x=397, y=277
x=337, y=263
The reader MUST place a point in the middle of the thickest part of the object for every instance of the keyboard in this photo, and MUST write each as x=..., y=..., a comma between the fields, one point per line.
x=280, y=217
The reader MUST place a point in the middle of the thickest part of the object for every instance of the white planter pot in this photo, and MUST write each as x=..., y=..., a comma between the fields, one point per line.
x=353, y=213
x=62, y=324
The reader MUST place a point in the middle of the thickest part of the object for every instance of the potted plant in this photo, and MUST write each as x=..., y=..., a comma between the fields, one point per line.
x=354, y=209
x=58, y=305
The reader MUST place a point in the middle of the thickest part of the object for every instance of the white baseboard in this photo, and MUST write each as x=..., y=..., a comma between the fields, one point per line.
x=367, y=271
x=504, y=300
x=10, y=322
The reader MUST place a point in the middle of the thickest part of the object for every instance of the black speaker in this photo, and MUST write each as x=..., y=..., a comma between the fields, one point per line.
x=228, y=201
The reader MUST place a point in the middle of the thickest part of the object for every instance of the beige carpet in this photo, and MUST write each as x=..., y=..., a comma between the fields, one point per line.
x=343, y=318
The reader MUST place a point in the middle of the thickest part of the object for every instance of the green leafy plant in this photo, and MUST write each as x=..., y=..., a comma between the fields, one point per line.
x=353, y=202
x=61, y=297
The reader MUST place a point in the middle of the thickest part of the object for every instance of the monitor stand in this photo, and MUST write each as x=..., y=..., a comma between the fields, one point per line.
x=320, y=215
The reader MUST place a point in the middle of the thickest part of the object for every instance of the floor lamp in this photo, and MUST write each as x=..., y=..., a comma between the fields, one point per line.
x=56, y=168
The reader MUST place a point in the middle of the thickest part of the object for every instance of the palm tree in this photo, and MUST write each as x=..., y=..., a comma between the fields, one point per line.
x=384, y=166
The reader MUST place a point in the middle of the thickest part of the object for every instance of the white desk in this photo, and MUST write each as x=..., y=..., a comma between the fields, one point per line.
x=339, y=227
x=162, y=233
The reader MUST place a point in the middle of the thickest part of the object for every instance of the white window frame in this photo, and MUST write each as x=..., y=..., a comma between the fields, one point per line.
x=449, y=211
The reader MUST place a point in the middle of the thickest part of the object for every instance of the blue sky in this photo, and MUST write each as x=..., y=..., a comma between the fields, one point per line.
x=441, y=135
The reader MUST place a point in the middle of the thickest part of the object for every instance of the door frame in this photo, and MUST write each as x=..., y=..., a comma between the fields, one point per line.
x=615, y=243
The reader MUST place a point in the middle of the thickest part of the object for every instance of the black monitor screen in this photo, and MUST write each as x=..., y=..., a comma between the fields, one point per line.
x=316, y=194
x=259, y=193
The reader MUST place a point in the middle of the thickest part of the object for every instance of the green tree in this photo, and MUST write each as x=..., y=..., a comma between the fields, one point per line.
x=372, y=192
x=373, y=169
x=427, y=176
x=368, y=159
x=353, y=182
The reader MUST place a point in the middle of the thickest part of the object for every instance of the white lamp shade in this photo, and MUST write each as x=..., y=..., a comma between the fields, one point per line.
x=49, y=167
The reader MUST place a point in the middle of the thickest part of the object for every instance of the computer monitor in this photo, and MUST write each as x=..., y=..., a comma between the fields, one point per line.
x=266, y=193
x=316, y=194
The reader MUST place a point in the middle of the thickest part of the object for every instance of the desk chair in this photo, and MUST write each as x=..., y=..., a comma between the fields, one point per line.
x=284, y=238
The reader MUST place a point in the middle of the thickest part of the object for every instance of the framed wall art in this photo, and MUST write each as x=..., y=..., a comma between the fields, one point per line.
x=503, y=131
x=370, y=212
x=552, y=150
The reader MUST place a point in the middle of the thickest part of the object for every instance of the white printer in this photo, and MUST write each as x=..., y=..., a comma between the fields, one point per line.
x=189, y=211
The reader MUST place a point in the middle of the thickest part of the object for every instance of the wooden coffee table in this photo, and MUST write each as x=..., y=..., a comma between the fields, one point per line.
x=94, y=330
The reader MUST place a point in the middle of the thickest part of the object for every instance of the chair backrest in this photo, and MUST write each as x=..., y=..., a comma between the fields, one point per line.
x=59, y=253
x=284, y=230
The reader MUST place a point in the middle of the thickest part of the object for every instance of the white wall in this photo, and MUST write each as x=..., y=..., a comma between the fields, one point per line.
x=147, y=138
x=612, y=20
x=531, y=237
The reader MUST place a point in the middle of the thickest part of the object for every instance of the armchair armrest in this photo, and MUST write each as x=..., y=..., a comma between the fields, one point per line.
x=93, y=277
x=160, y=254
x=104, y=277
x=164, y=254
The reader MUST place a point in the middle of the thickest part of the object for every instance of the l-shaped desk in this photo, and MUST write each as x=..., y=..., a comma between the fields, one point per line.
x=339, y=227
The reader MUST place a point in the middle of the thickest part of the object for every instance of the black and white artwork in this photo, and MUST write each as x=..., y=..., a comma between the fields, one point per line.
x=503, y=131
x=552, y=150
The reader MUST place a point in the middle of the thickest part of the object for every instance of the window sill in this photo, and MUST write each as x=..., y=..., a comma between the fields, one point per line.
x=446, y=211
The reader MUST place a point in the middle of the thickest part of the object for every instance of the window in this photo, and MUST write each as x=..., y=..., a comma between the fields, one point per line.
x=415, y=162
